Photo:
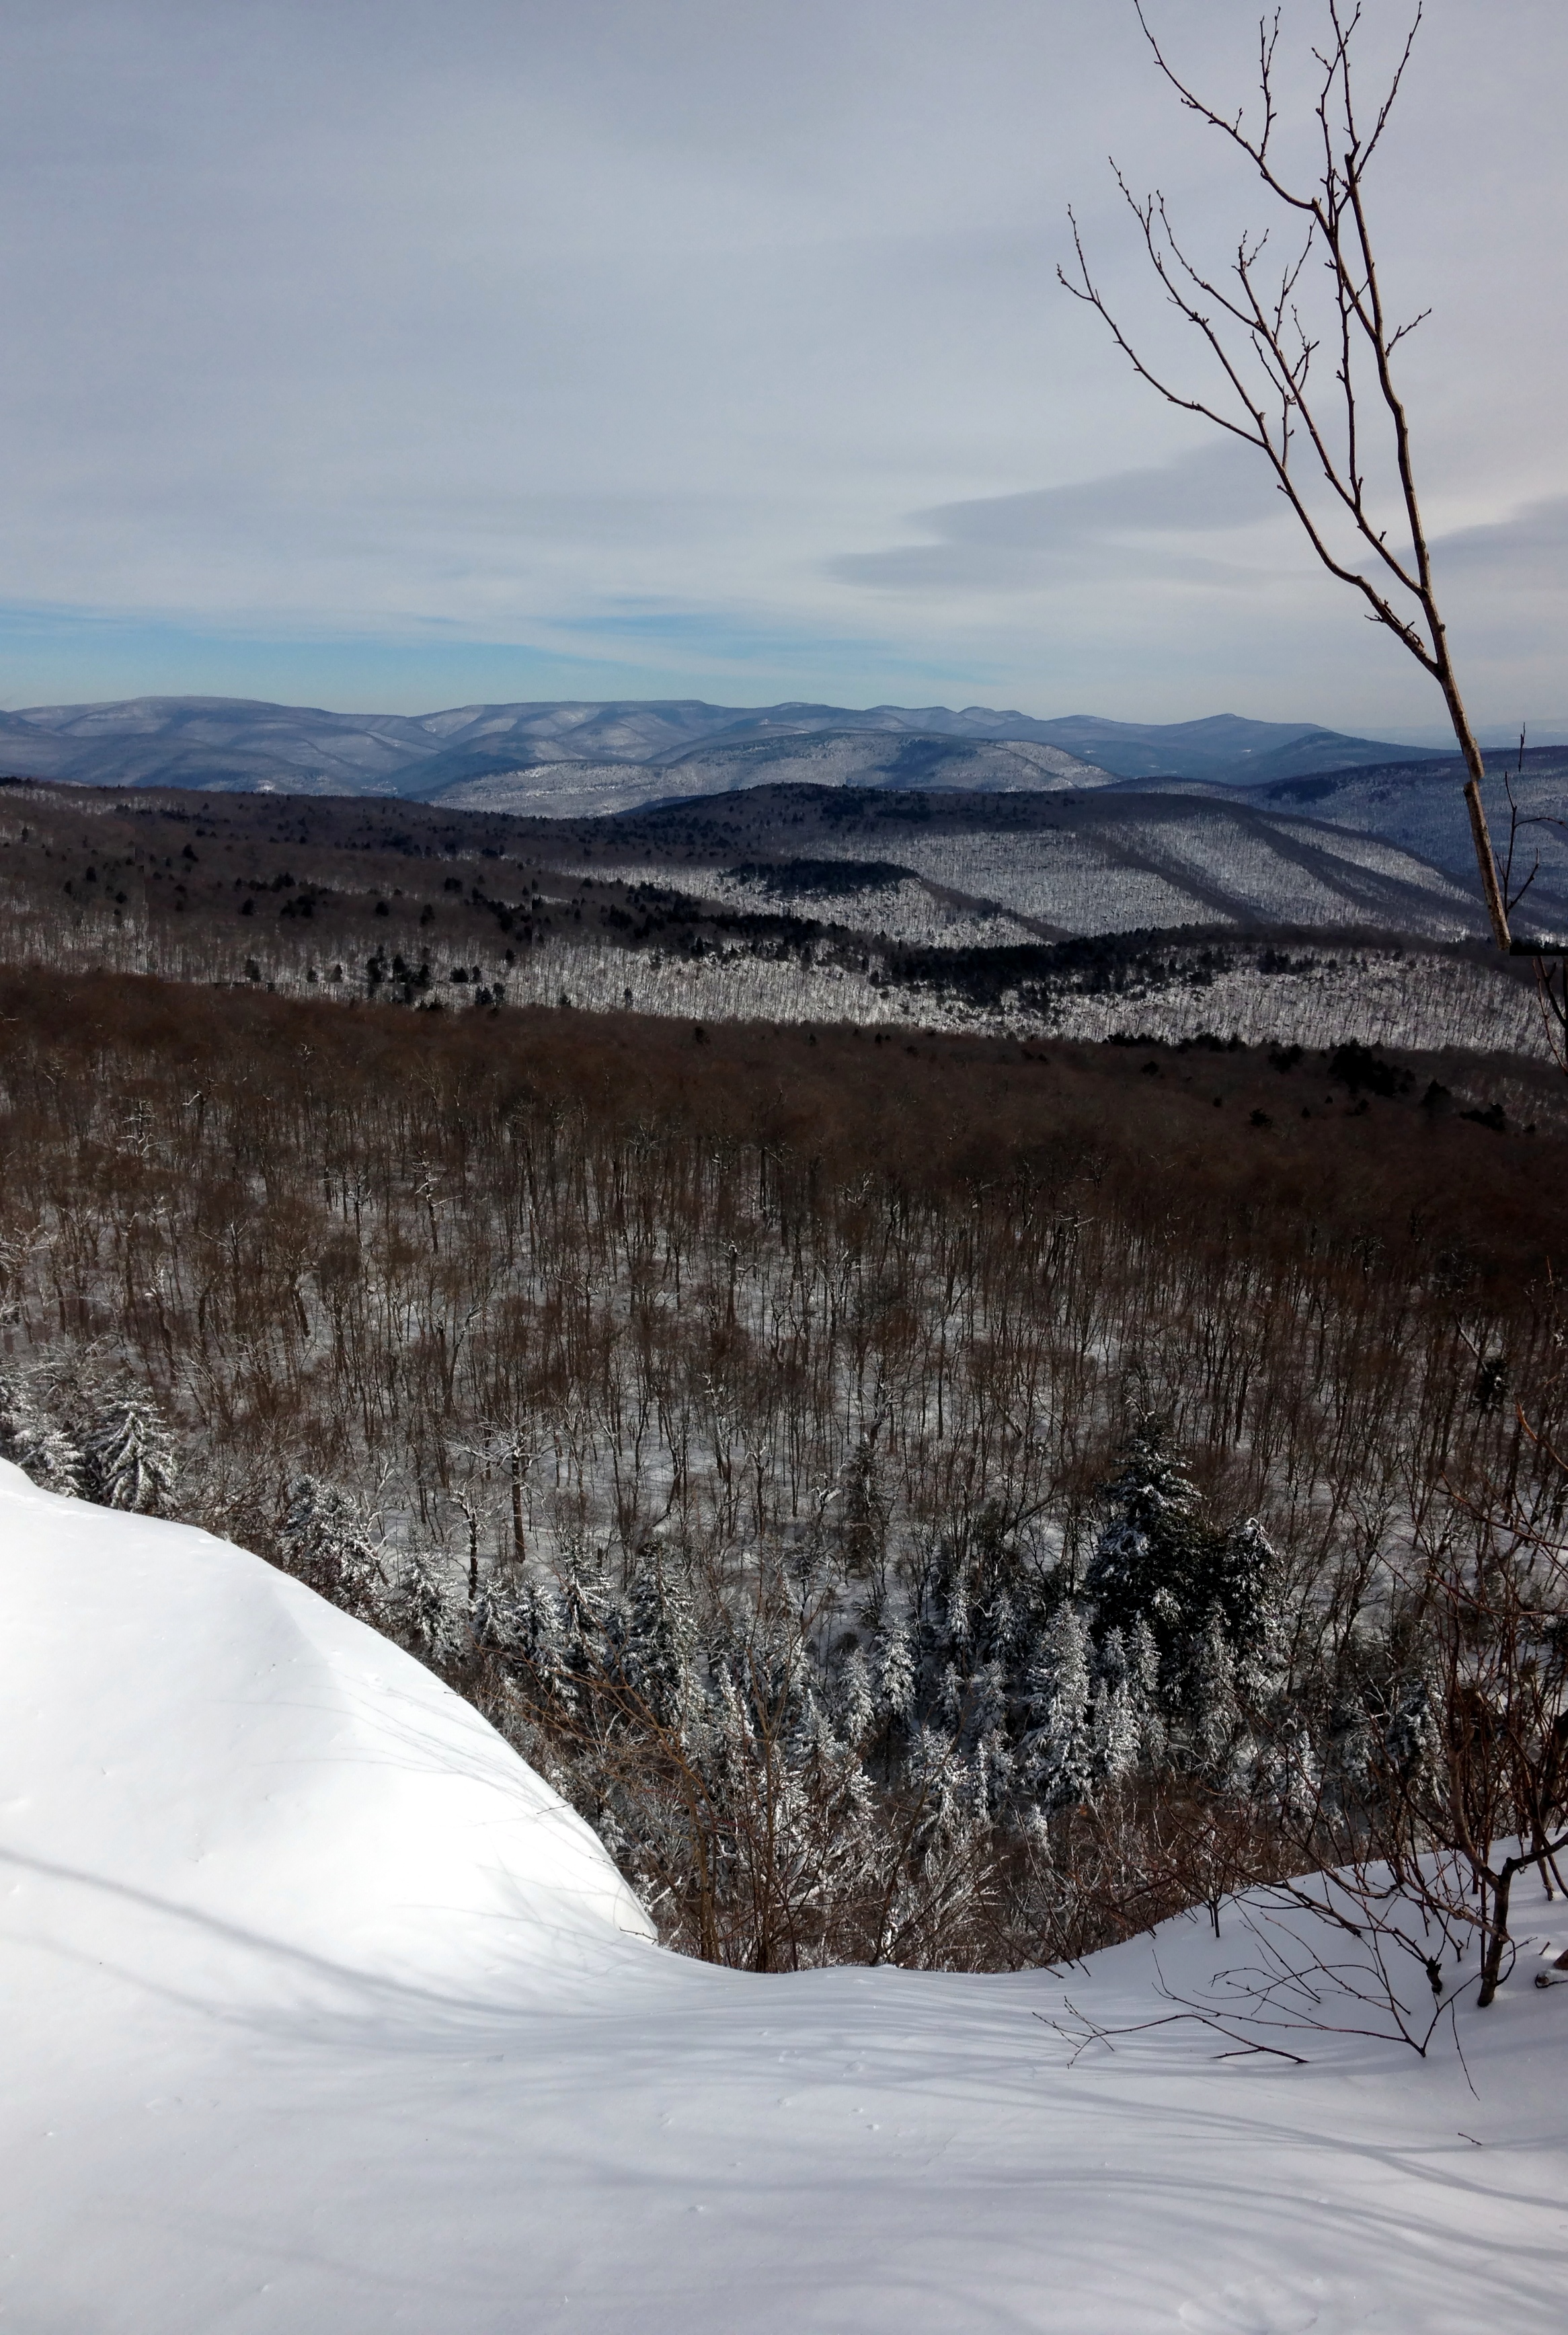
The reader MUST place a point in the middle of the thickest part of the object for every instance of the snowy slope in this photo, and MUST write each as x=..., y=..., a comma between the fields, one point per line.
x=1420, y=808
x=326, y=2015
x=824, y=759
x=1107, y=864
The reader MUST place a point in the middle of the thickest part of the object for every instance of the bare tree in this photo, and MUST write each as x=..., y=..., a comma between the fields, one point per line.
x=1476, y=1773
x=1306, y=366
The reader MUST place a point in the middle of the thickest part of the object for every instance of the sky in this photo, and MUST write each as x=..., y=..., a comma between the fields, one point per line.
x=378, y=357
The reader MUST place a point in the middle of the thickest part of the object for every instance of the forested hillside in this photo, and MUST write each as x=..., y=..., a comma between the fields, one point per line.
x=933, y=1499
x=1007, y=913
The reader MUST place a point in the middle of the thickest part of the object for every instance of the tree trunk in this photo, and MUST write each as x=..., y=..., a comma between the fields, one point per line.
x=1497, y=1939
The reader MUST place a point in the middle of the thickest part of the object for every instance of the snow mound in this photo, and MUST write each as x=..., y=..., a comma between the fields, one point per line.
x=325, y=2017
x=246, y=1770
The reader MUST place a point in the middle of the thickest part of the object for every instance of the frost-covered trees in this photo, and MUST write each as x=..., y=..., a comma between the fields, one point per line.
x=1186, y=1618
x=128, y=1456
x=657, y=1656
x=115, y=1450
x=422, y=1609
x=328, y=1539
x=787, y=1789
x=1059, y=1751
x=32, y=1439
x=1149, y=1559
x=861, y=1760
x=775, y=1797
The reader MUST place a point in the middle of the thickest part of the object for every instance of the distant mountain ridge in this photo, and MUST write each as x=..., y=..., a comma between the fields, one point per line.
x=1097, y=860
x=1419, y=806
x=561, y=756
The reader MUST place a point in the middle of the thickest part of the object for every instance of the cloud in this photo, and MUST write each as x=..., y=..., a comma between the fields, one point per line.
x=727, y=638
x=516, y=324
x=1020, y=542
x=1527, y=552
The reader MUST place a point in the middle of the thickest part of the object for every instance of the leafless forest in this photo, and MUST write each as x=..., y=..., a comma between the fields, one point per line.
x=927, y=1498
x=676, y=913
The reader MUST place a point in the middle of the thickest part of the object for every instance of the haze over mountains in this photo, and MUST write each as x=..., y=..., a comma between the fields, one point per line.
x=571, y=758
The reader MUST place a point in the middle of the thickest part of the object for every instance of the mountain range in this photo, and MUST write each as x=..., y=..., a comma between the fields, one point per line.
x=563, y=757
x=959, y=869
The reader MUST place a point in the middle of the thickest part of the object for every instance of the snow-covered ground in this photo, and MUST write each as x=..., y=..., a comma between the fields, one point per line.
x=568, y=789
x=1210, y=868
x=1378, y=997
x=326, y=2015
x=1072, y=883
x=1421, y=810
x=907, y=912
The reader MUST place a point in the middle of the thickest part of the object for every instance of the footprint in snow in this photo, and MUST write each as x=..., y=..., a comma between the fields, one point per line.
x=1260, y=2306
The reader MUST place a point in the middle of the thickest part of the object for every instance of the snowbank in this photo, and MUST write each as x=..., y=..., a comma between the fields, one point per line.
x=219, y=1749
x=326, y=2015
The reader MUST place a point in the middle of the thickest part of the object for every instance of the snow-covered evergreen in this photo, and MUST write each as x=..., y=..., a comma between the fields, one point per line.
x=328, y=1539
x=128, y=1456
x=426, y=1615
x=1149, y=1560
x=1060, y=1749
x=1186, y=1617
x=34, y=1440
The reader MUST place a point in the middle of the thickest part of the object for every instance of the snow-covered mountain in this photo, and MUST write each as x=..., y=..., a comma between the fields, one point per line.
x=649, y=749
x=1420, y=806
x=1224, y=748
x=824, y=757
x=327, y=2018
x=1053, y=862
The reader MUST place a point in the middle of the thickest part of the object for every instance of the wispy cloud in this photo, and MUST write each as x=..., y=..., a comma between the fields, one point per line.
x=630, y=336
x=1527, y=552
x=1020, y=542
x=749, y=642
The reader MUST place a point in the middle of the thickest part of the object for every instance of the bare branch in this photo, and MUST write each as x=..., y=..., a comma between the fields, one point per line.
x=1261, y=341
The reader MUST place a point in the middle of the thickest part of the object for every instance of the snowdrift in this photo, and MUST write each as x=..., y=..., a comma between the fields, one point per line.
x=230, y=1756
x=325, y=2013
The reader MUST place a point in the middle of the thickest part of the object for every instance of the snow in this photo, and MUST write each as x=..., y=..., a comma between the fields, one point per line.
x=325, y=2014
x=907, y=912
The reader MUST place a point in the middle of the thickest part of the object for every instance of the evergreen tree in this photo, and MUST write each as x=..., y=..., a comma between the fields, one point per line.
x=995, y=1766
x=1289, y=1771
x=33, y=1442
x=499, y=1617
x=1152, y=1556
x=1350, y=1745
x=537, y=1638
x=658, y=1644
x=938, y=1774
x=1214, y=1714
x=128, y=1457
x=1248, y=1592
x=584, y=1608
x=1057, y=1754
x=985, y=1712
x=427, y=1615
x=856, y=1699
x=1197, y=1613
x=1116, y=1726
x=895, y=1658
x=1411, y=1739
x=1144, y=1674
x=327, y=1541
